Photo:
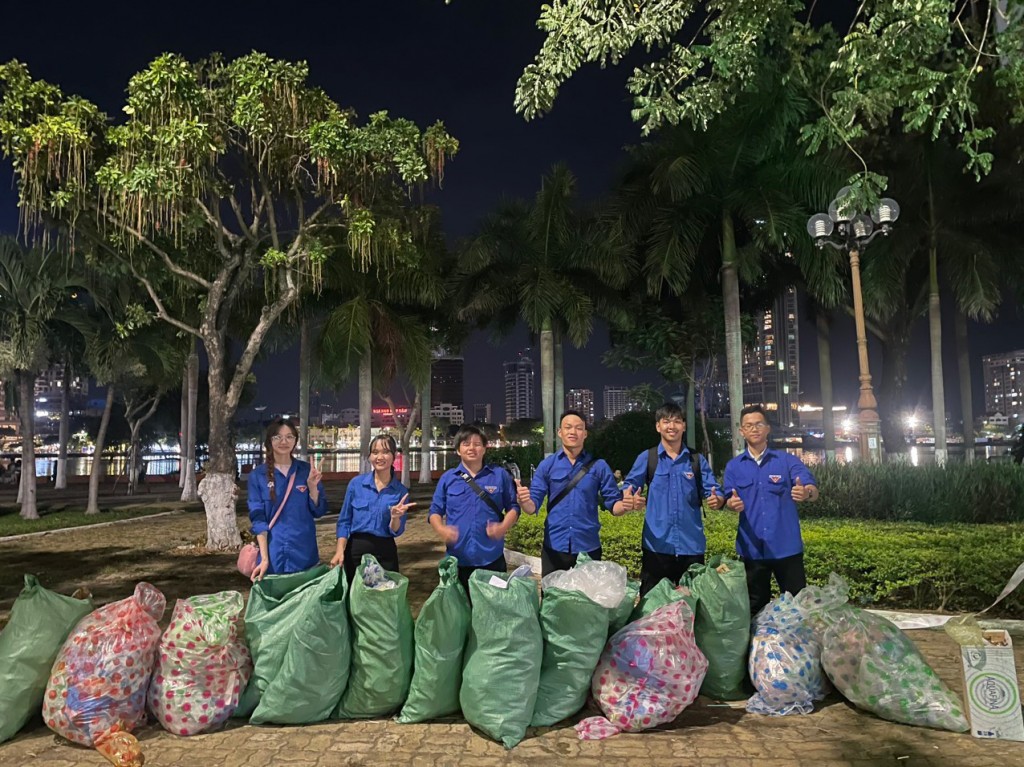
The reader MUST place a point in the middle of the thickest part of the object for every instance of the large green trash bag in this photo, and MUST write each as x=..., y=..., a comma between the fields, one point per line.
x=441, y=631
x=503, y=656
x=40, y=622
x=665, y=593
x=722, y=625
x=282, y=607
x=574, y=628
x=382, y=647
x=315, y=666
x=623, y=614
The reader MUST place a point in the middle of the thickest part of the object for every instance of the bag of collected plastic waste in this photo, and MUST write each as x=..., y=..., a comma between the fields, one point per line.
x=440, y=638
x=202, y=664
x=622, y=613
x=97, y=687
x=503, y=656
x=298, y=634
x=382, y=643
x=785, y=662
x=574, y=627
x=722, y=625
x=664, y=593
x=875, y=665
x=648, y=674
x=40, y=622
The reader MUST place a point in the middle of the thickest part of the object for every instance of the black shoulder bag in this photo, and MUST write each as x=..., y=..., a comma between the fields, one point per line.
x=483, y=495
x=572, y=483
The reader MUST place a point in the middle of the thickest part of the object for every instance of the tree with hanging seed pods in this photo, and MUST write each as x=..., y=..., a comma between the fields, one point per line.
x=218, y=188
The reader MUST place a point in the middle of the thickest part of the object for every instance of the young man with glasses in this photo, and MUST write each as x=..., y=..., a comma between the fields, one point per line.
x=764, y=486
x=673, y=537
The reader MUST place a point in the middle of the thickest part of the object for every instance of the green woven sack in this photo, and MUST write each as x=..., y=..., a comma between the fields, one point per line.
x=503, y=656
x=665, y=593
x=314, y=667
x=441, y=631
x=40, y=622
x=722, y=626
x=382, y=648
x=574, y=628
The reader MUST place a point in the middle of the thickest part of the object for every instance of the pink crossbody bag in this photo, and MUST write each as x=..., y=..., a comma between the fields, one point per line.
x=249, y=554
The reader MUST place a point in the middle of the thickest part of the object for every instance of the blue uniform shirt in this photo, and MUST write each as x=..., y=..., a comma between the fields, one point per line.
x=458, y=504
x=573, y=526
x=769, y=526
x=366, y=510
x=292, y=542
x=672, y=522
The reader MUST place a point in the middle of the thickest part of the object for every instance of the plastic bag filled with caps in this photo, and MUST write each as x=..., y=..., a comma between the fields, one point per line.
x=785, y=662
x=875, y=665
x=97, y=689
x=202, y=666
x=649, y=673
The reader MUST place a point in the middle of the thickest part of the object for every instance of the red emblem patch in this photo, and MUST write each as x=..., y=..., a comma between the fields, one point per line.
x=776, y=478
x=301, y=488
x=688, y=474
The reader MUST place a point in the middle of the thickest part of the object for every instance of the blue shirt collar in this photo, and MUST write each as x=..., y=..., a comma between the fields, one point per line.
x=683, y=451
x=369, y=483
x=768, y=453
x=583, y=457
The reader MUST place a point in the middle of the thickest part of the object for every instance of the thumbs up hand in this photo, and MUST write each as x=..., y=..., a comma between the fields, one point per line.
x=522, y=493
x=735, y=503
x=639, y=502
x=800, y=491
x=715, y=501
x=628, y=500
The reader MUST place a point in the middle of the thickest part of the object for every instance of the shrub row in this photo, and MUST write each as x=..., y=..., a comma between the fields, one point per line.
x=909, y=565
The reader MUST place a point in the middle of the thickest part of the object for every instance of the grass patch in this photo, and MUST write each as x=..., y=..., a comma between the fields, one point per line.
x=60, y=516
x=953, y=567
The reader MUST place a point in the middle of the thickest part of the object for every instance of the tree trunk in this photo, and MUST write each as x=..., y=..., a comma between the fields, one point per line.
x=733, y=336
x=559, y=378
x=935, y=332
x=218, y=490
x=304, y=375
x=365, y=409
x=406, y=436
x=189, y=493
x=963, y=358
x=426, y=432
x=691, y=407
x=135, y=423
x=828, y=423
x=547, y=386
x=26, y=385
x=183, y=432
x=64, y=431
x=890, y=393
x=93, y=505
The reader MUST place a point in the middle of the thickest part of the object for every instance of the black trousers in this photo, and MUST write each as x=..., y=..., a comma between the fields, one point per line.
x=551, y=560
x=499, y=565
x=789, y=574
x=383, y=548
x=655, y=566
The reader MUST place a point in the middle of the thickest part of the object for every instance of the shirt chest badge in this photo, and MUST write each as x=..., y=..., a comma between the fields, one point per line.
x=492, y=489
x=776, y=478
x=301, y=488
x=688, y=474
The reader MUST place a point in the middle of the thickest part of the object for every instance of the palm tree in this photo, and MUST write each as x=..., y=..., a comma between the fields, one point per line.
x=549, y=265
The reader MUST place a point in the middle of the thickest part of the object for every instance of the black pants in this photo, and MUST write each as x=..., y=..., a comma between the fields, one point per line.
x=383, y=548
x=499, y=565
x=655, y=566
x=551, y=560
x=789, y=574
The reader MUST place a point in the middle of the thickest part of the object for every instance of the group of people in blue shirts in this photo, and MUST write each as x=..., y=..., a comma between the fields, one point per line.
x=476, y=503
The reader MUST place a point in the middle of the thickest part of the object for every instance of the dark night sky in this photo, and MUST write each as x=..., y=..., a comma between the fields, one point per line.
x=426, y=61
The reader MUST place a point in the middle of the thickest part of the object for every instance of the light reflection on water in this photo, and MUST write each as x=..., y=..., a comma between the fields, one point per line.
x=918, y=455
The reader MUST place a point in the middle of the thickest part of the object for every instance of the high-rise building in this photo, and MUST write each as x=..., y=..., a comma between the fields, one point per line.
x=1004, y=385
x=446, y=380
x=451, y=413
x=617, y=401
x=519, y=387
x=482, y=412
x=582, y=401
x=771, y=369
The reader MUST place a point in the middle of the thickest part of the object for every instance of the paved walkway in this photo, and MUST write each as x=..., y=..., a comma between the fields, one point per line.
x=705, y=734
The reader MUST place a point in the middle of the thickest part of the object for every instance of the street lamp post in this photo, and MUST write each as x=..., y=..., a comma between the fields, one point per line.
x=852, y=233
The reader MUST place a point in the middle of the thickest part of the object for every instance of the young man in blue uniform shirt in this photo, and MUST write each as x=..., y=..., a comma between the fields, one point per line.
x=764, y=486
x=673, y=537
x=572, y=523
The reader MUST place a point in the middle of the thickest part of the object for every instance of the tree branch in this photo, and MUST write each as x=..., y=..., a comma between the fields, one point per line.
x=160, y=252
x=268, y=317
x=161, y=310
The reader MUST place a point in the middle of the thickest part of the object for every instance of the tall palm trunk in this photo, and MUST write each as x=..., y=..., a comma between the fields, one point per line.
x=895, y=347
x=26, y=393
x=733, y=336
x=304, y=375
x=691, y=407
x=93, y=505
x=64, y=431
x=547, y=385
x=935, y=332
x=426, y=430
x=559, y=379
x=828, y=423
x=183, y=425
x=963, y=359
x=188, y=489
x=365, y=408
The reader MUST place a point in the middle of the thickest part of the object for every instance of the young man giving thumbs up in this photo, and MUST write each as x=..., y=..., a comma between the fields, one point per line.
x=764, y=486
x=574, y=482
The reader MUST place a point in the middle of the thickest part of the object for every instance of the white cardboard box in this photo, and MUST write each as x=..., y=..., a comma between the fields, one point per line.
x=991, y=691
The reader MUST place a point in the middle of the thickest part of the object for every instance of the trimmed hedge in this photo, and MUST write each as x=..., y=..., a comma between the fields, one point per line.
x=954, y=567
